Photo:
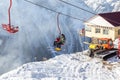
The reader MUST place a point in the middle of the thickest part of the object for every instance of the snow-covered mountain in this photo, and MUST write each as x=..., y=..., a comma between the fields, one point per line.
x=38, y=28
x=66, y=67
x=100, y=6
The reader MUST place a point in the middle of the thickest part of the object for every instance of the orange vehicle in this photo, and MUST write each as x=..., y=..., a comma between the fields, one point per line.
x=105, y=43
x=102, y=43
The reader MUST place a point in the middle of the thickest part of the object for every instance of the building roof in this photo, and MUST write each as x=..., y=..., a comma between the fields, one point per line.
x=112, y=17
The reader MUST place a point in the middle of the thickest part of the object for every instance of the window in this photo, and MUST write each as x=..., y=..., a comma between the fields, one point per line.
x=104, y=42
x=88, y=28
x=119, y=32
x=97, y=30
x=111, y=43
x=105, y=31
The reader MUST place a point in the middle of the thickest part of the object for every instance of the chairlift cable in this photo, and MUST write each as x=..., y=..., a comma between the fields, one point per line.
x=65, y=14
x=77, y=7
x=55, y=11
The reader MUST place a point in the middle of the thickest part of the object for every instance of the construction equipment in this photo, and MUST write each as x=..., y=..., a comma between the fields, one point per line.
x=102, y=43
x=102, y=48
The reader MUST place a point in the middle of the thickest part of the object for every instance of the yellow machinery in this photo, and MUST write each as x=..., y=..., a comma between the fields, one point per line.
x=103, y=43
x=93, y=46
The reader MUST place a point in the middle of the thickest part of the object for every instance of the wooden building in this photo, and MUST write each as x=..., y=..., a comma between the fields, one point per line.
x=104, y=25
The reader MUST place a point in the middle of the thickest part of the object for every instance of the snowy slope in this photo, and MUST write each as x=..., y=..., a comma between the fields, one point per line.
x=65, y=67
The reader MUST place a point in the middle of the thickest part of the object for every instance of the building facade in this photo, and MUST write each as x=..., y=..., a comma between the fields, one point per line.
x=105, y=25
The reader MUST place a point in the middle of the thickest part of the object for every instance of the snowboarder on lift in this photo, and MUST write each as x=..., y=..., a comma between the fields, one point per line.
x=60, y=40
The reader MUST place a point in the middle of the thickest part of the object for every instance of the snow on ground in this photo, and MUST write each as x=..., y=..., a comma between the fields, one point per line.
x=65, y=67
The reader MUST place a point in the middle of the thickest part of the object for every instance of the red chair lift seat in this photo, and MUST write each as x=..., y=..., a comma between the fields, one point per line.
x=10, y=28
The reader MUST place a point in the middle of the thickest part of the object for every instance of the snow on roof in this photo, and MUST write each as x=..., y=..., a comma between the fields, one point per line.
x=112, y=17
x=64, y=67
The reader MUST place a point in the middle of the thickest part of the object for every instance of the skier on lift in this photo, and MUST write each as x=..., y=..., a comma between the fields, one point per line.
x=60, y=40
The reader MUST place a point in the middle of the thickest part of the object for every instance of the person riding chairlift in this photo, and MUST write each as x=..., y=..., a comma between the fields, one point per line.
x=60, y=40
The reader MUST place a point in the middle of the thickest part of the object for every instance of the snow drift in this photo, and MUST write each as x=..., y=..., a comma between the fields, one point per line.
x=65, y=67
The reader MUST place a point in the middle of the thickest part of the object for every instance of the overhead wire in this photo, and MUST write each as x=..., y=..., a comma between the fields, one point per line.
x=54, y=10
x=87, y=10
x=67, y=14
x=76, y=6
